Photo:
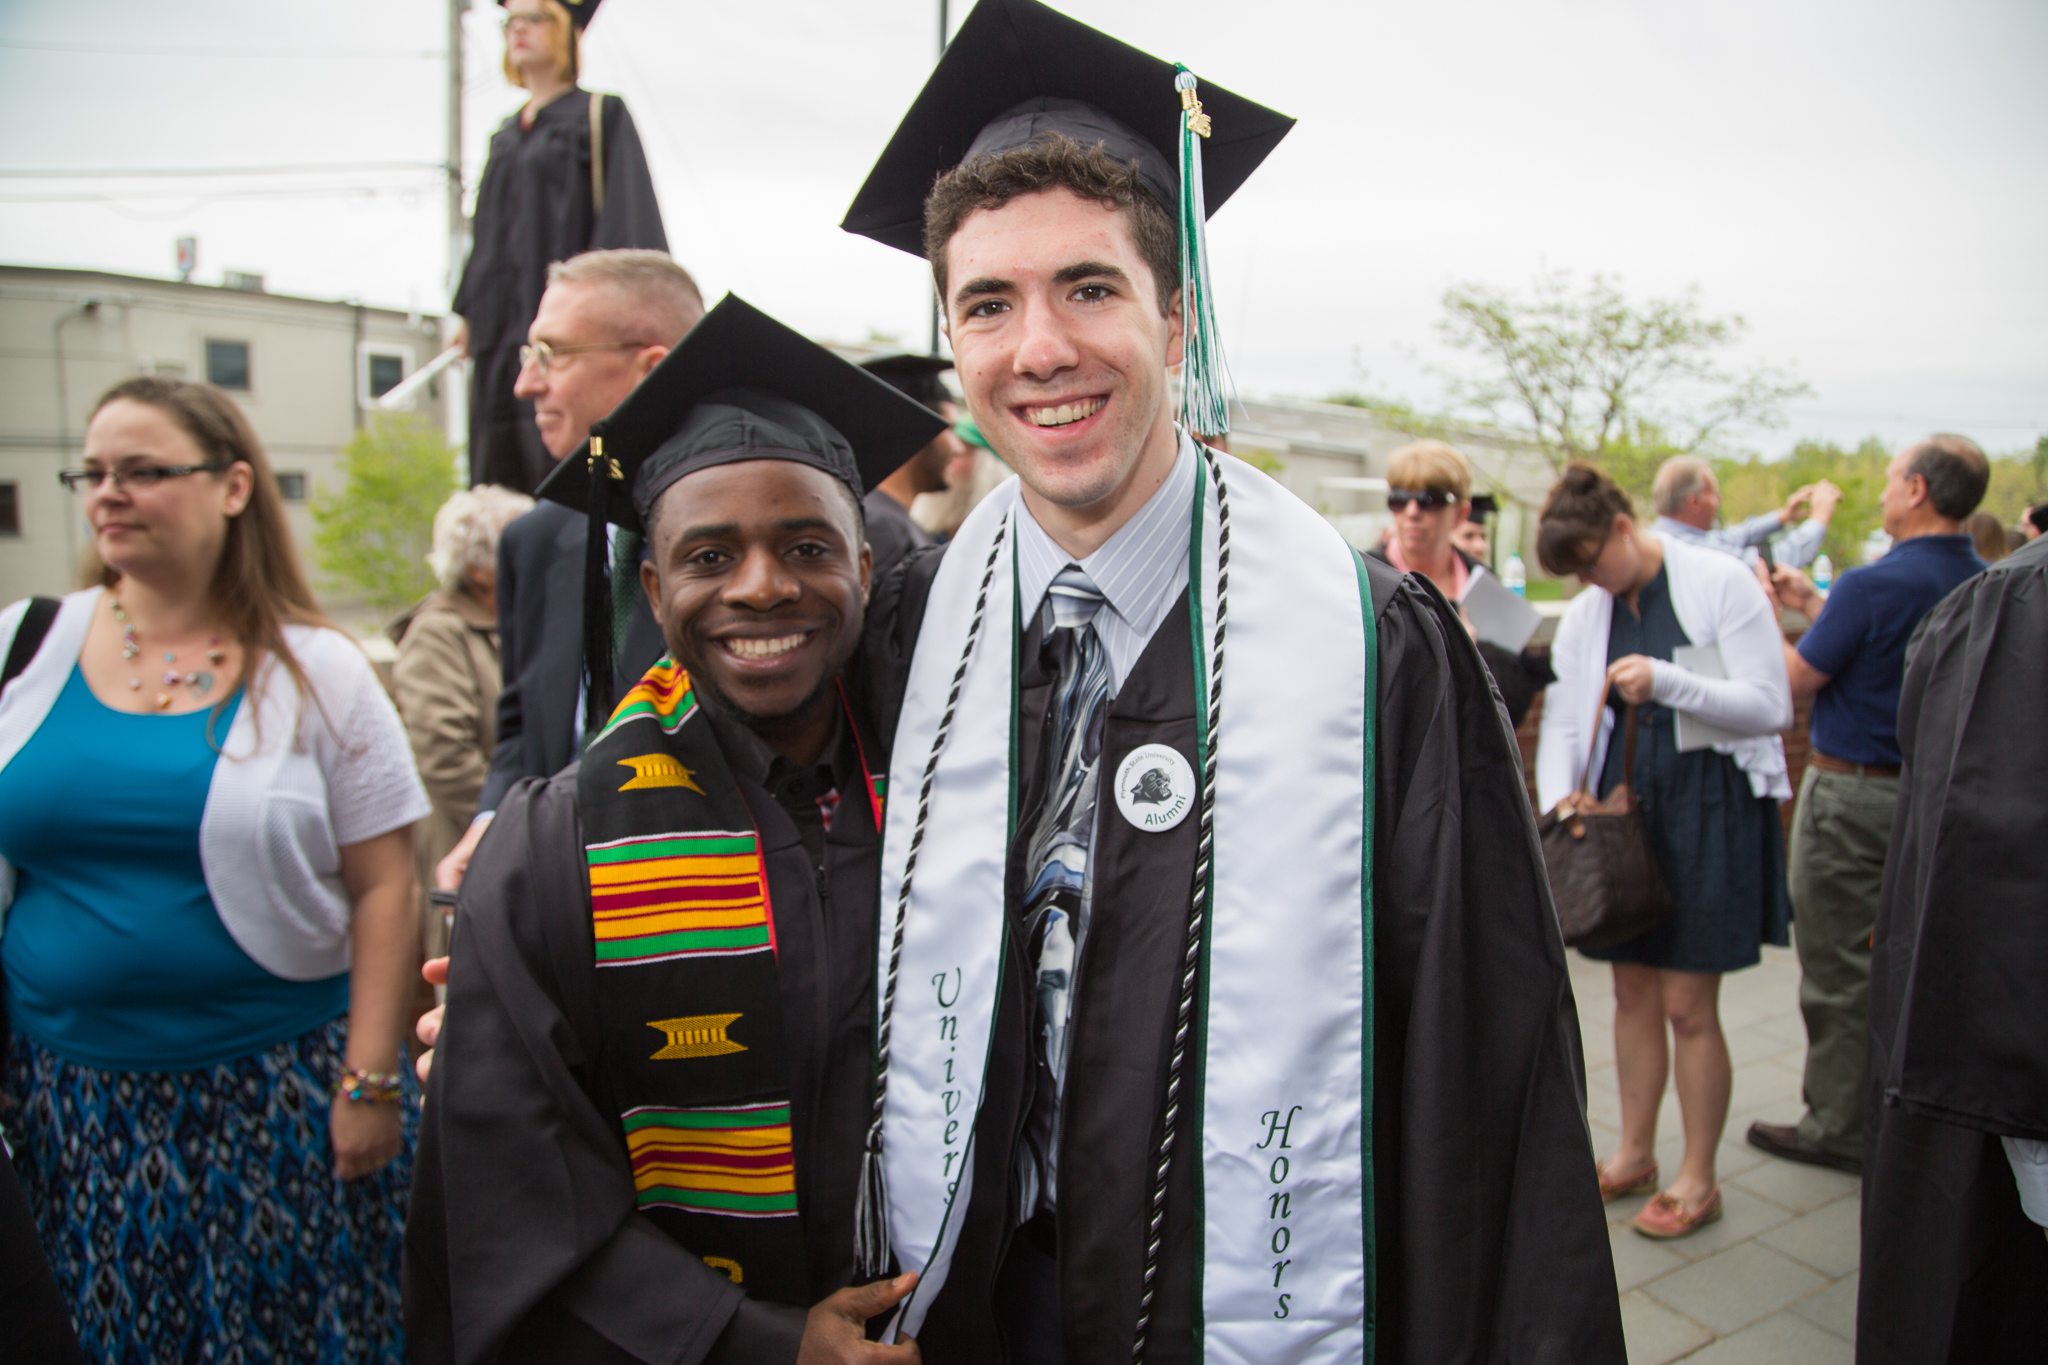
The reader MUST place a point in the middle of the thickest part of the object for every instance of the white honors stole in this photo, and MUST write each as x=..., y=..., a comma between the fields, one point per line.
x=1279, y=1075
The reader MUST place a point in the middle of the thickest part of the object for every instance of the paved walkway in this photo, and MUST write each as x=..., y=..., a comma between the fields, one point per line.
x=1774, y=1282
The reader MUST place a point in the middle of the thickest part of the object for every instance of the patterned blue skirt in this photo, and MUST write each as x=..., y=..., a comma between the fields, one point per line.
x=195, y=1215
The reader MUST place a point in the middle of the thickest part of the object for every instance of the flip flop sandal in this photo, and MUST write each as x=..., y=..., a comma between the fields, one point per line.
x=1664, y=1217
x=1643, y=1182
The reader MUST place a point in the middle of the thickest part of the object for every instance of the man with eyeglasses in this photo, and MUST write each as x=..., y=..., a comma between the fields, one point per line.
x=607, y=318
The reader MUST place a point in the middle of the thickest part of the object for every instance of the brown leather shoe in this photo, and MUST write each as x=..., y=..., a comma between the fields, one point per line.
x=1783, y=1139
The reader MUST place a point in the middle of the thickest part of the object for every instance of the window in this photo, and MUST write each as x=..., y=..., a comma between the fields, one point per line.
x=10, y=509
x=386, y=373
x=380, y=368
x=292, y=486
x=227, y=364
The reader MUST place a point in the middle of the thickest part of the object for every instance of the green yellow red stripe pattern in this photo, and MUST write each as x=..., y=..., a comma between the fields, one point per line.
x=659, y=896
x=734, y=1160
x=663, y=695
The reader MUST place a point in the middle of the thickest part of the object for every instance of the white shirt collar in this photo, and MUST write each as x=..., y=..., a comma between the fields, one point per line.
x=1141, y=569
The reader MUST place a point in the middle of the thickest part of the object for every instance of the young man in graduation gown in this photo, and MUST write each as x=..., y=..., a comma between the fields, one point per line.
x=1223, y=1011
x=642, y=1139
x=1955, y=1136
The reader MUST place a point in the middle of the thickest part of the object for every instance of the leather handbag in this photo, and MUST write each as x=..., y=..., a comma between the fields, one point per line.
x=1604, y=878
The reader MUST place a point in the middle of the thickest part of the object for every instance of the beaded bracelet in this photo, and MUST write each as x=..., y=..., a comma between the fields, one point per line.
x=374, y=1087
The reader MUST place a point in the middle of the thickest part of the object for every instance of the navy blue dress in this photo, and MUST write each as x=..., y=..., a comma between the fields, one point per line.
x=1721, y=848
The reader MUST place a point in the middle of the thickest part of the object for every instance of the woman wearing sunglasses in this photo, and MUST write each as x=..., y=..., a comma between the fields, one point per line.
x=1429, y=493
x=206, y=809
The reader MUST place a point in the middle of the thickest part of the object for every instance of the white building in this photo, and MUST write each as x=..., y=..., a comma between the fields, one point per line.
x=305, y=371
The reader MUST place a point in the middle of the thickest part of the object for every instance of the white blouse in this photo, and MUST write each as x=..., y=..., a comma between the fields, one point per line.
x=294, y=785
x=1719, y=602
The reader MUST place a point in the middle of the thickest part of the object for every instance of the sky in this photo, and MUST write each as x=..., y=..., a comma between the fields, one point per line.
x=1864, y=181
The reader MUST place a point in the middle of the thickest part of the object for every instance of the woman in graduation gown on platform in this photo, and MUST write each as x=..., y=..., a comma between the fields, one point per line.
x=565, y=175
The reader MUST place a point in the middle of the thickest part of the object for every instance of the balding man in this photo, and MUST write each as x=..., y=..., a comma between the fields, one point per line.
x=1852, y=664
x=1688, y=499
x=607, y=318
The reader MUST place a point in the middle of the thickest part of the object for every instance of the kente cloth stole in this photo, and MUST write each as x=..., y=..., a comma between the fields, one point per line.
x=688, y=996
x=1279, y=1077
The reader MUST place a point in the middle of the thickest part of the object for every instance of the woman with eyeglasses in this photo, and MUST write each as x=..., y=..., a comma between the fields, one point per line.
x=565, y=175
x=1429, y=493
x=1711, y=812
x=206, y=810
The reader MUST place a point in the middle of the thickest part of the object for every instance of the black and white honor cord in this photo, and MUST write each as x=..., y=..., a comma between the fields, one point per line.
x=871, y=1215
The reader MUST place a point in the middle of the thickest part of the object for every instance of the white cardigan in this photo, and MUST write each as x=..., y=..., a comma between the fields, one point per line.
x=1718, y=602
x=277, y=814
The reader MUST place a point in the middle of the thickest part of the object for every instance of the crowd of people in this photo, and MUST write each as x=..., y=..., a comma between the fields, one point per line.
x=869, y=938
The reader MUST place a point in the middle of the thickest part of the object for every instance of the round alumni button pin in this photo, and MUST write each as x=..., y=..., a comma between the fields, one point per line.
x=1155, y=787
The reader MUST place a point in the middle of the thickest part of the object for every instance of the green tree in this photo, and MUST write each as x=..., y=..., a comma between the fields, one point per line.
x=373, y=534
x=1590, y=371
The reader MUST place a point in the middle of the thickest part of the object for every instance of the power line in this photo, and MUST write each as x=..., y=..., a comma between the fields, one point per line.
x=351, y=168
x=317, y=54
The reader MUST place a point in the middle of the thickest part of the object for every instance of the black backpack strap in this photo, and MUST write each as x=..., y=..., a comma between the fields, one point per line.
x=28, y=637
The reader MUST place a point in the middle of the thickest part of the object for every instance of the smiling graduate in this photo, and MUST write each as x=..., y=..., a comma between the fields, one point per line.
x=1224, y=1013
x=643, y=1133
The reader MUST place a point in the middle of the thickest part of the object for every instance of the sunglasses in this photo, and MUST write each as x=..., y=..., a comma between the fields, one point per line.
x=1428, y=499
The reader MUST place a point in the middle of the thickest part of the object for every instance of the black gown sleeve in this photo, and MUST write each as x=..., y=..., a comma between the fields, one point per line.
x=1517, y=677
x=1492, y=1243
x=631, y=217
x=523, y=1243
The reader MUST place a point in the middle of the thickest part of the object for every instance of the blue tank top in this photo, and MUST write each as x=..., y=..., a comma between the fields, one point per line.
x=115, y=957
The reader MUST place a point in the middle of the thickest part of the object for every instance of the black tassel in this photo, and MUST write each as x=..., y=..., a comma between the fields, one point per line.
x=871, y=1250
x=599, y=665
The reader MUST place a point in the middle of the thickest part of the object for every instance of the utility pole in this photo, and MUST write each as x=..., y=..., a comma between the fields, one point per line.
x=458, y=227
x=454, y=386
x=937, y=302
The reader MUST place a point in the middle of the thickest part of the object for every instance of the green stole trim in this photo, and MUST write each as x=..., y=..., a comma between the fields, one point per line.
x=1372, y=791
x=688, y=997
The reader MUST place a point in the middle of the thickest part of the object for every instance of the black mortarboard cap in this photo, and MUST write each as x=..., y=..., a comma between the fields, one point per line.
x=915, y=375
x=580, y=11
x=740, y=386
x=1484, y=505
x=1018, y=69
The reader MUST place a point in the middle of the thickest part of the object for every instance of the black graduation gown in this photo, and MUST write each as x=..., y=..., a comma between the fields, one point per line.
x=523, y=1193
x=533, y=208
x=891, y=533
x=1952, y=1268
x=1491, y=1241
x=1518, y=677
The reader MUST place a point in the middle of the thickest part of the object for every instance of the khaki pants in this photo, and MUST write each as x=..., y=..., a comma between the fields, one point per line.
x=1839, y=835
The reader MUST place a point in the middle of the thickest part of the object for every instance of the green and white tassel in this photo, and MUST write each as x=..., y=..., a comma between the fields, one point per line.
x=1204, y=378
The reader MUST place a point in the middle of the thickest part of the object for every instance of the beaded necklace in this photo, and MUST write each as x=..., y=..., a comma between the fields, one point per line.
x=200, y=680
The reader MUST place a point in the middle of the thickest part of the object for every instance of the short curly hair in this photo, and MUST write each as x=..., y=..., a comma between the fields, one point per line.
x=1054, y=161
x=466, y=531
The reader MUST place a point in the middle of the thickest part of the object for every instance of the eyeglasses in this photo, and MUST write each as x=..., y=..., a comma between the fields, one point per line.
x=1428, y=499
x=513, y=21
x=541, y=356
x=135, y=476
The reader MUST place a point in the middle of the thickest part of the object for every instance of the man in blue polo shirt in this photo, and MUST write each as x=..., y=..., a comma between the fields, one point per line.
x=1852, y=663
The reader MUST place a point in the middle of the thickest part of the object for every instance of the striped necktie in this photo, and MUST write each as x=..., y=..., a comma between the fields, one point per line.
x=1056, y=903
